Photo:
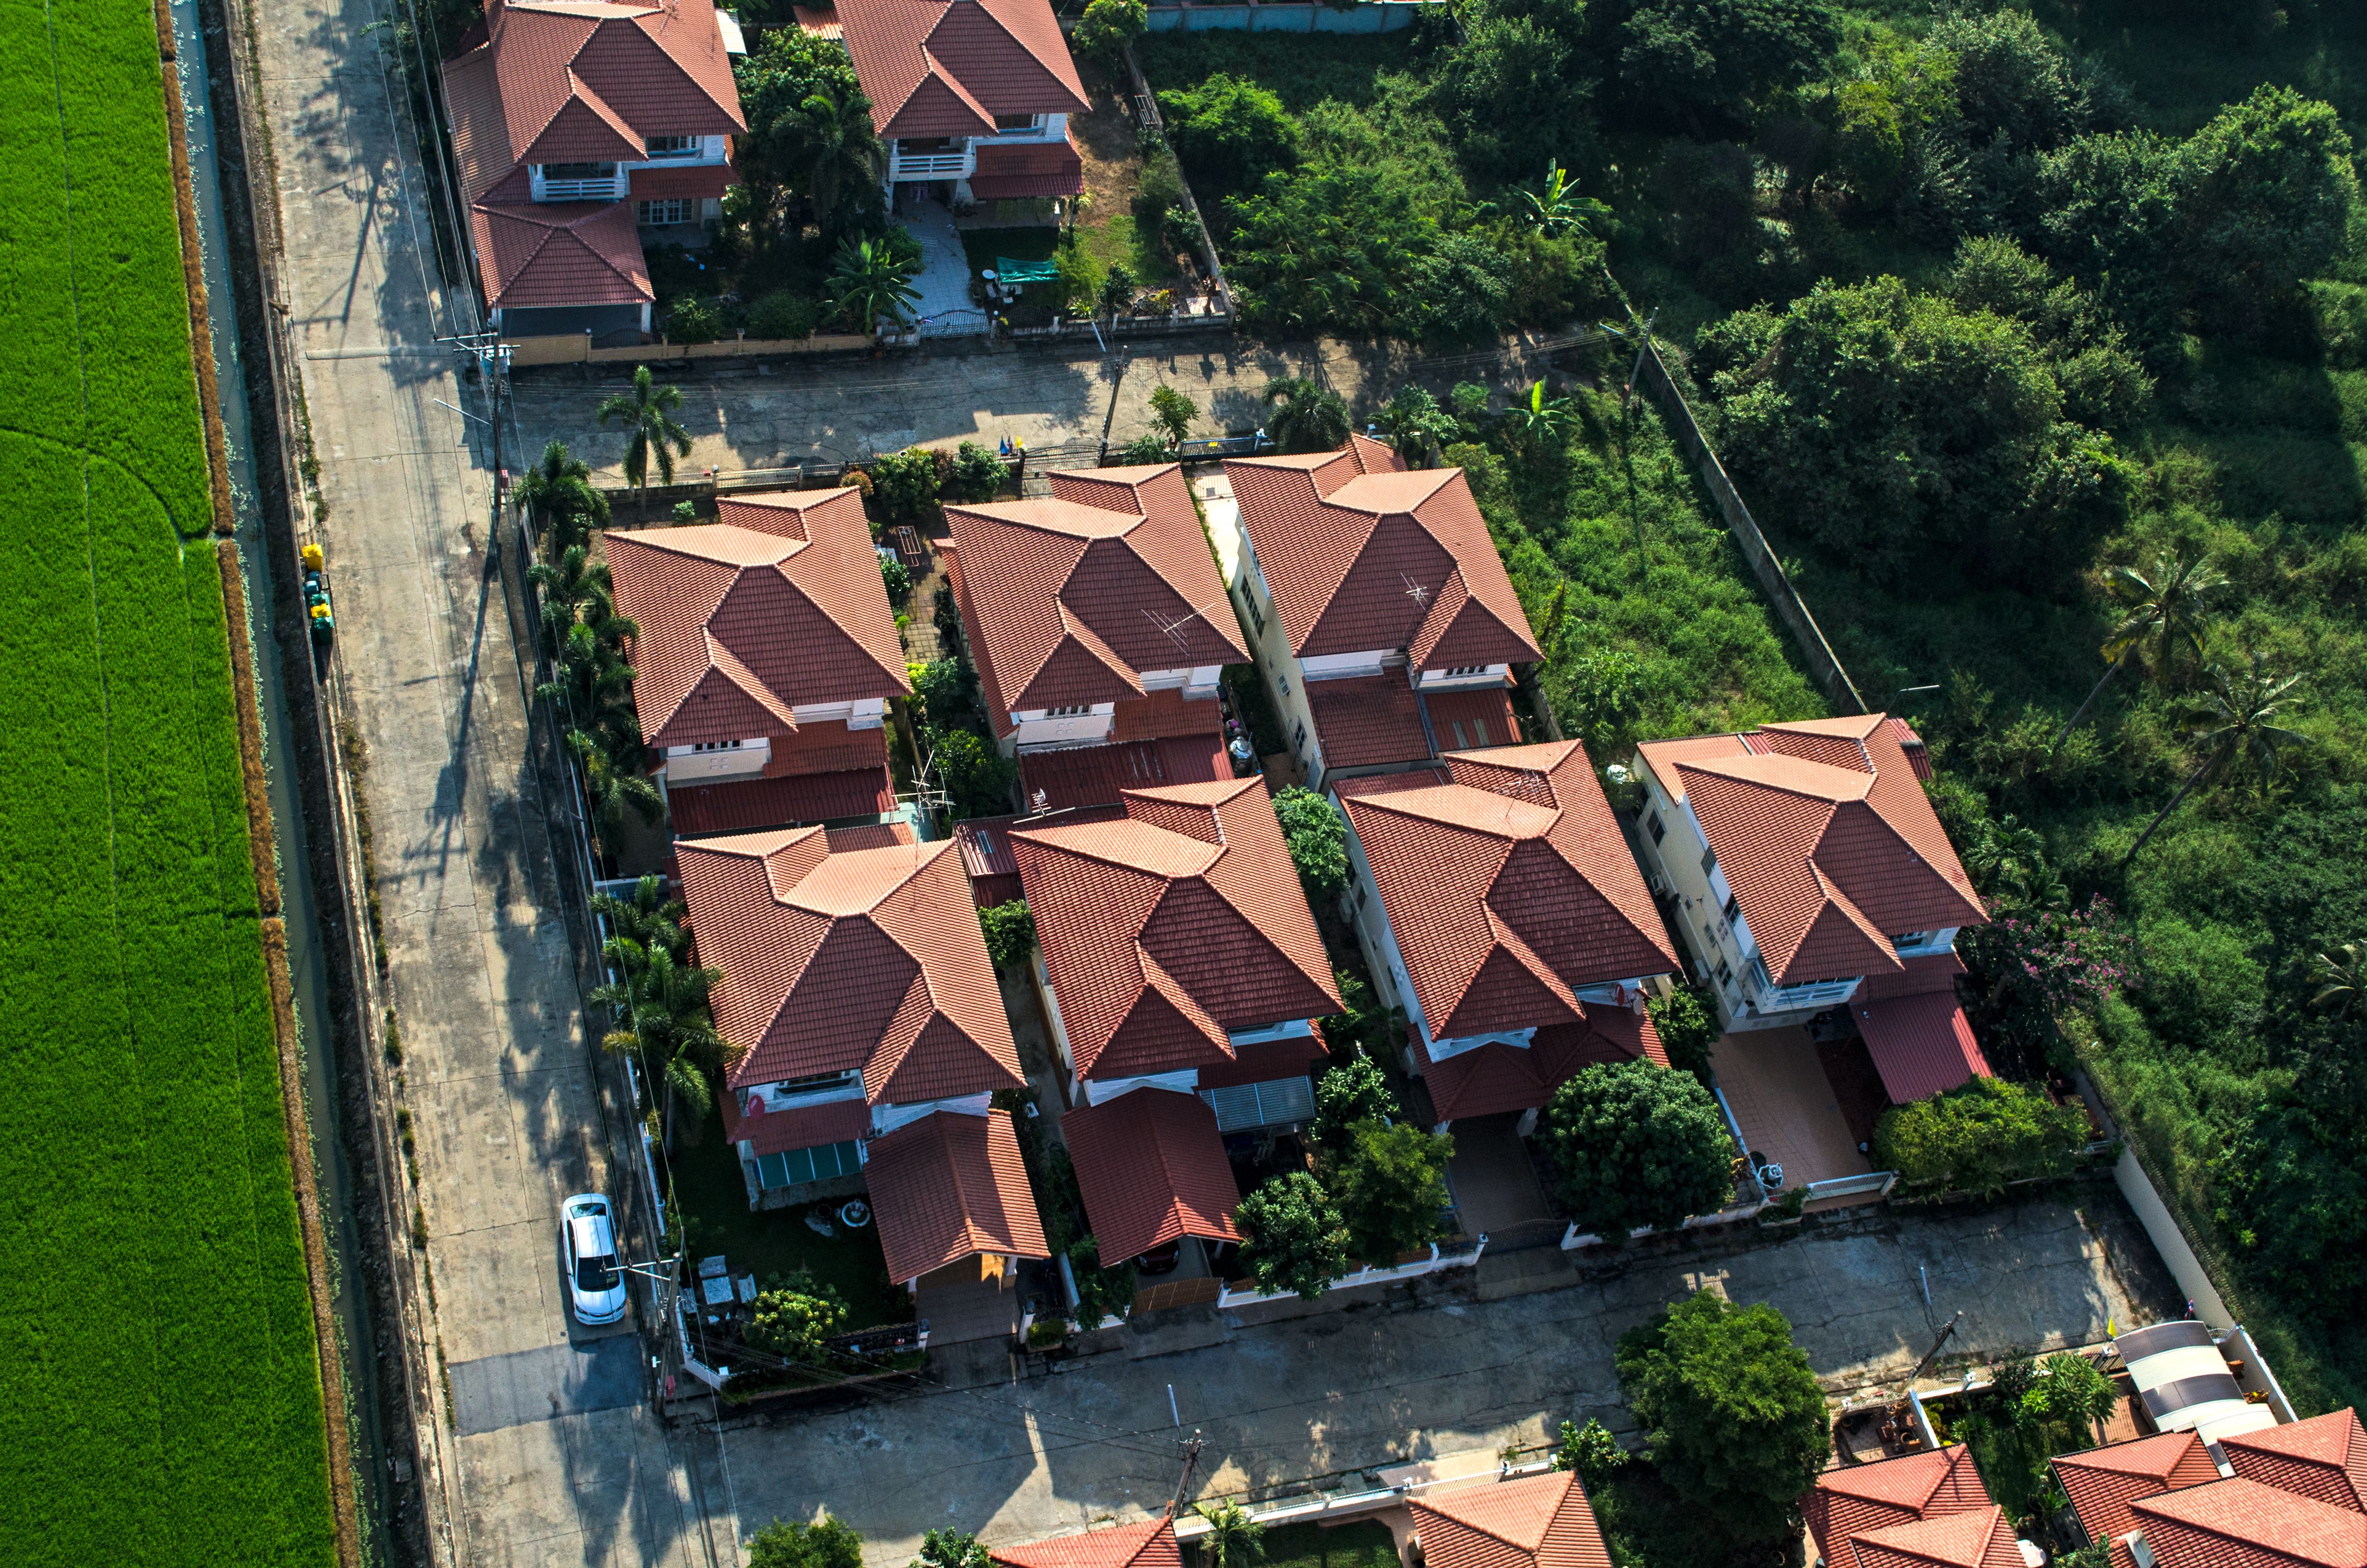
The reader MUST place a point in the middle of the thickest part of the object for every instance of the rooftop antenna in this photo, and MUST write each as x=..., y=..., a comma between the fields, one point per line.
x=1415, y=591
x=1173, y=630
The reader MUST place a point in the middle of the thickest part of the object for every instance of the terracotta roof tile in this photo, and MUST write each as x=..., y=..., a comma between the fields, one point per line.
x=2324, y=1457
x=2243, y=1524
x=798, y=799
x=841, y=960
x=699, y=180
x=1472, y=718
x=560, y=253
x=1494, y=1078
x=1360, y=555
x=1066, y=777
x=1536, y=1522
x=781, y=605
x=1517, y=858
x=1826, y=839
x=951, y=1185
x=778, y=1132
x=1921, y=1045
x=1165, y=928
x=1857, y=1498
x=1980, y=1538
x=2102, y=1482
x=1009, y=171
x=1367, y=721
x=1147, y=1545
x=947, y=67
x=1152, y=1167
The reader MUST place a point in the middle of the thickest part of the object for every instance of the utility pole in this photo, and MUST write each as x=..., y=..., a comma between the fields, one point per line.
x=1191, y=1447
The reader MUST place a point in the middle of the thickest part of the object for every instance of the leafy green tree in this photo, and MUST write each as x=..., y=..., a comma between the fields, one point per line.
x=1306, y=417
x=1317, y=841
x=1637, y=1144
x=2163, y=604
x=1010, y=933
x=951, y=1549
x=1416, y=425
x=976, y=777
x=2102, y=381
x=2291, y=1194
x=1515, y=89
x=2012, y=81
x=1117, y=289
x=1230, y=133
x=2267, y=194
x=1175, y=411
x=1687, y=1022
x=904, y=486
x=1389, y=1184
x=977, y=474
x=1591, y=1450
x=2071, y=1390
x=1328, y=247
x=2239, y=720
x=896, y=577
x=2338, y=973
x=1292, y=1237
x=871, y=284
x=1352, y=1092
x=1979, y=1137
x=1713, y=59
x=1107, y=27
x=809, y=129
x=1149, y=447
x=948, y=688
x=826, y=1543
x=1234, y=1539
x=794, y=1317
x=559, y=493
x=1458, y=290
x=647, y=413
x=1732, y=1415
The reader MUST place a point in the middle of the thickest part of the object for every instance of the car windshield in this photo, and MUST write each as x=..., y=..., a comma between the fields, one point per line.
x=595, y=1273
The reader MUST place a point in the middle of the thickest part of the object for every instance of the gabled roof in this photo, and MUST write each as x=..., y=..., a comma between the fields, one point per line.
x=1150, y=1544
x=1152, y=1167
x=834, y=961
x=560, y=253
x=949, y=67
x=1489, y=1079
x=1508, y=887
x=2324, y=1457
x=1537, y=1521
x=1854, y=1499
x=2102, y=1482
x=1825, y=838
x=1361, y=554
x=2243, y=1524
x=1167, y=927
x=777, y=605
x=1977, y=1538
x=1070, y=598
x=948, y=1186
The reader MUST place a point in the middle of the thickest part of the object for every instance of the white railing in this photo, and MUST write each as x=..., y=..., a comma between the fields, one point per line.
x=1824, y=994
x=932, y=166
x=1461, y=1257
x=1879, y=1183
x=577, y=189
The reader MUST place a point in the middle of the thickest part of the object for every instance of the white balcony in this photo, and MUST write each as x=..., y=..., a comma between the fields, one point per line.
x=741, y=759
x=930, y=166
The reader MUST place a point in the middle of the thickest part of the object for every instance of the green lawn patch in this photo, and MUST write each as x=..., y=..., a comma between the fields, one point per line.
x=162, y=1393
x=713, y=1201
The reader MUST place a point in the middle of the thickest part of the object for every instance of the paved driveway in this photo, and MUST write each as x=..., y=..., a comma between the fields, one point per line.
x=1345, y=1391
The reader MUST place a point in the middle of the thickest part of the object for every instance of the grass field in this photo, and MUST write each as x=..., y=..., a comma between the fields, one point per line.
x=160, y=1395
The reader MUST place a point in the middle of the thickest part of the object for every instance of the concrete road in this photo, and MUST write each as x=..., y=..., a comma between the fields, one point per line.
x=551, y=1454
x=1017, y=1460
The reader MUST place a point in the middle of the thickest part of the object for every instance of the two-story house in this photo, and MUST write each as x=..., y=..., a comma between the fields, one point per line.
x=1099, y=627
x=1181, y=975
x=1498, y=904
x=575, y=129
x=765, y=659
x=971, y=97
x=1810, y=873
x=1384, y=622
x=868, y=1036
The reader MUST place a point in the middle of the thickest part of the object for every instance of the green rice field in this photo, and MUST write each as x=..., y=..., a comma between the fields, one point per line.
x=160, y=1392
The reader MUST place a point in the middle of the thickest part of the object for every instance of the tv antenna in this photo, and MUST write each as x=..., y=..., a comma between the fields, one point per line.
x=1173, y=630
x=1415, y=591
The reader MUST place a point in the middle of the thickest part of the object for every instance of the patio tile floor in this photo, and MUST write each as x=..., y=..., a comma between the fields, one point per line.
x=1776, y=1087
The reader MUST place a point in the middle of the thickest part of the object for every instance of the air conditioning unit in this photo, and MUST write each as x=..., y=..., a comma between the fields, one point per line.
x=1658, y=884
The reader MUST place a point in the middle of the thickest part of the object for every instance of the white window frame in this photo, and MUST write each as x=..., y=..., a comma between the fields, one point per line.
x=665, y=212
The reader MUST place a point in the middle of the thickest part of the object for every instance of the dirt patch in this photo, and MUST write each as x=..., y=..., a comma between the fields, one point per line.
x=1106, y=142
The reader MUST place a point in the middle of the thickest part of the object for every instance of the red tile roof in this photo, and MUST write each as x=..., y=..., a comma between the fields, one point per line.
x=1147, y=1545
x=1369, y=721
x=1857, y=1498
x=2243, y=1524
x=1166, y=929
x=2324, y=1457
x=1508, y=889
x=693, y=180
x=1070, y=598
x=1978, y=1539
x=840, y=960
x=1537, y=1521
x=1497, y=1078
x=951, y=1185
x=1010, y=171
x=1472, y=718
x=1152, y=1167
x=2102, y=1482
x=560, y=253
x=807, y=1127
x=949, y=67
x=1267, y=1061
x=1825, y=838
x=1360, y=555
x=779, y=605
x=1921, y=1045
x=1094, y=776
x=800, y=800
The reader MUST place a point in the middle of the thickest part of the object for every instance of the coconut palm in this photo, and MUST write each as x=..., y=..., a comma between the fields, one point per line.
x=2164, y=606
x=610, y=791
x=1557, y=206
x=2009, y=862
x=2239, y=714
x=1234, y=1539
x=560, y=493
x=1416, y=425
x=1306, y=417
x=575, y=587
x=647, y=413
x=2341, y=975
x=870, y=285
x=595, y=688
x=830, y=148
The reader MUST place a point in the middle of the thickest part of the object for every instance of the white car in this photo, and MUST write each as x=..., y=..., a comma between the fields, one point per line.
x=595, y=1286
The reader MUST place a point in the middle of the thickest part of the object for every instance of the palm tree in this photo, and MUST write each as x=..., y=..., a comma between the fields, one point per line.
x=2166, y=606
x=829, y=144
x=575, y=588
x=1306, y=418
x=870, y=285
x=1540, y=423
x=2009, y=862
x=2239, y=714
x=2341, y=975
x=596, y=687
x=1234, y=1539
x=649, y=920
x=1557, y=206
x=648, y=413
x=560, y=493
x=1415, y=425
x=610, y=791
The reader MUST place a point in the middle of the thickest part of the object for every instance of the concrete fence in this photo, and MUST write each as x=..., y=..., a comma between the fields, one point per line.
x=1823, y=664
x=1456, y=1254
x=1370, y=17
x=575, y=349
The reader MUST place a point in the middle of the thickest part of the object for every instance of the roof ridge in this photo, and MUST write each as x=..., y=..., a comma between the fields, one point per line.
x=733, y=668
x=1177, y=996
x=1724, y=768
x=671, y=11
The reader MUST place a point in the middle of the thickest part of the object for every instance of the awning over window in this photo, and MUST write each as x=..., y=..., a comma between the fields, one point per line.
x=1152, y=1167
x=688, y=180
x=949, y=1187
x=1920, y=1045
x=1007, y=172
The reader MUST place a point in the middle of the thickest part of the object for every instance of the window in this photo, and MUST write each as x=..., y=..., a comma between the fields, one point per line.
x=1912, y=940
x=1725, y=973
x=1709, y=861
x=673, y=146
x=1480, y=728
x=1457, y=672
x=717, y=746
x=1733, y=909
x=817, y=1163
x=1298, y=737
x=1759, y=975
x=1008, y=124
x=659, y=214
x=1655, y=826
x=579, y=171
x=1248, y=597
x=818, y=1081
x=1460, y=743
x=1076, y=710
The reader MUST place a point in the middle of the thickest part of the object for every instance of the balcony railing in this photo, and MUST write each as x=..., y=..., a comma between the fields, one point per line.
x=579, y=189
x=930, y=166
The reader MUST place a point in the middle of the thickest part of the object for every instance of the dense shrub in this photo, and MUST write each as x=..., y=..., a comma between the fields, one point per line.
x=1979, y=1137
x=783, y=314
x=1317, y=841
x=1637, y=1144
x=904, y=486
x=1010, y=933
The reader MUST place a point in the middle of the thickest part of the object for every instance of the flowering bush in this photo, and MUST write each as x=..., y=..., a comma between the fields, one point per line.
x=2031, y=967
